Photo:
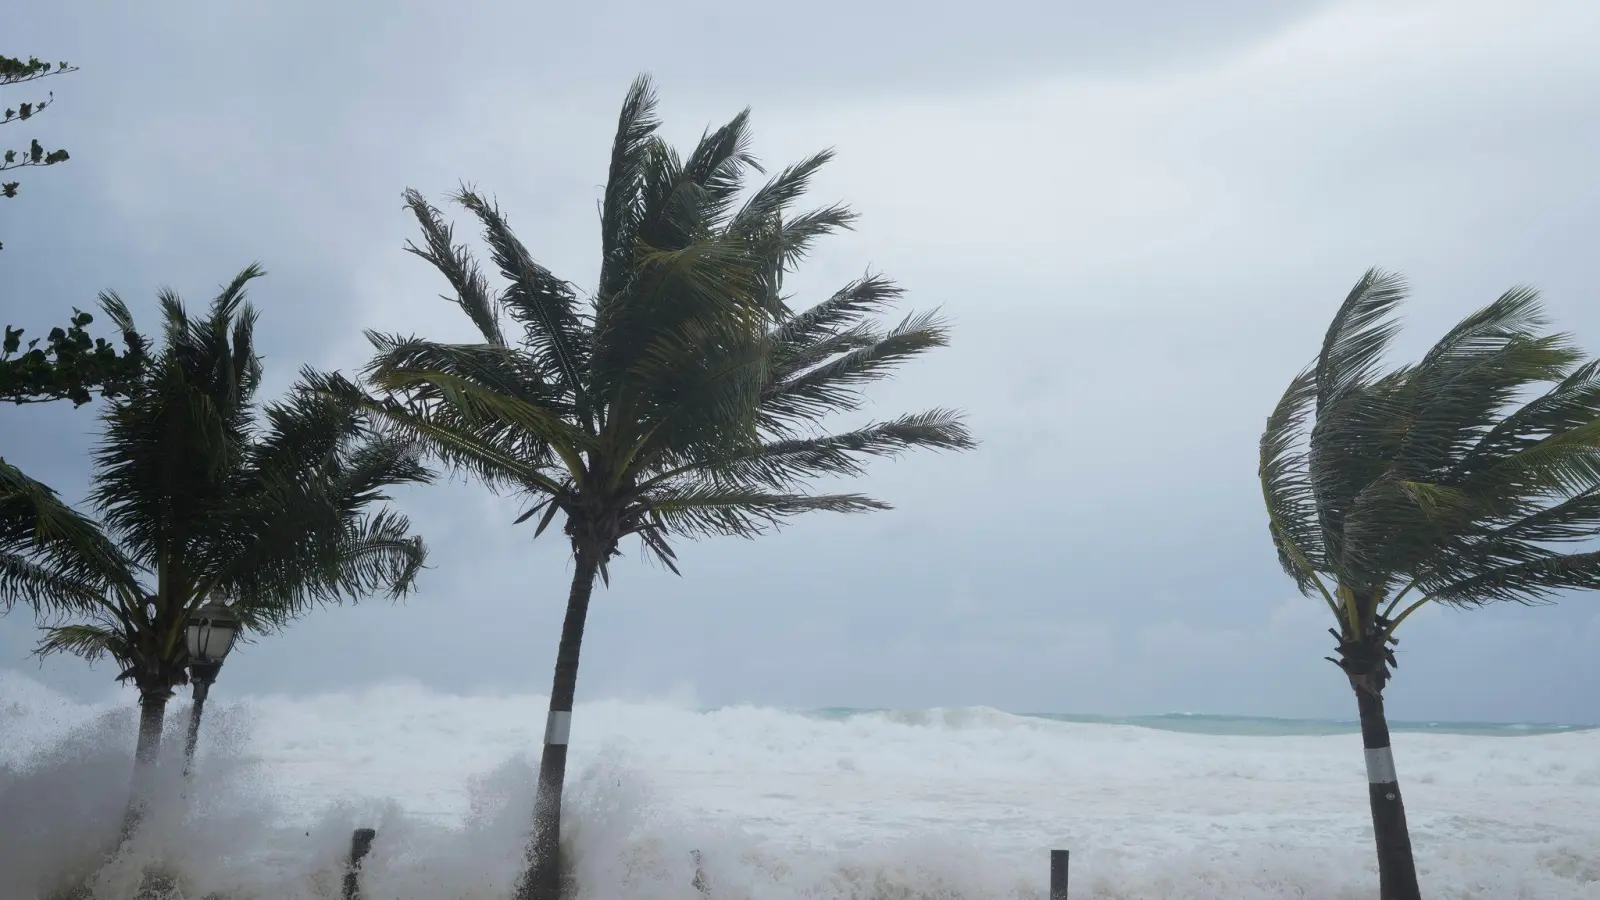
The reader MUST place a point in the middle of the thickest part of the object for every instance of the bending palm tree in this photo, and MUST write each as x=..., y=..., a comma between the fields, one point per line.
x=205, y=503
x=1430, y=484
x=685, y=401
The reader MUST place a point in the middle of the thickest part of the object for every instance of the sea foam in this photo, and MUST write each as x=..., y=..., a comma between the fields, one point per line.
x=954, y=803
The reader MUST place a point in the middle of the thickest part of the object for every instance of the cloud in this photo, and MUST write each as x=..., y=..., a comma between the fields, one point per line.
x=1138, y=217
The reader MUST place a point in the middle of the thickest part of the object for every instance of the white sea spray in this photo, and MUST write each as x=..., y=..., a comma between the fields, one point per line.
x=960, y=803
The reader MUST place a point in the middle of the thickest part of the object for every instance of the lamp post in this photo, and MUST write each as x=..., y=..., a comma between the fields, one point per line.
x=212, y=631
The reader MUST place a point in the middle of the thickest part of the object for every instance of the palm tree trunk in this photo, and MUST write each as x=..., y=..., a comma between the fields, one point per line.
x=1397, y=869
x=152, y=714
x=542, y=879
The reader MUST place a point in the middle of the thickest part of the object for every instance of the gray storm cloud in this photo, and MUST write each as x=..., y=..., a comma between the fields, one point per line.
x=1139, y=222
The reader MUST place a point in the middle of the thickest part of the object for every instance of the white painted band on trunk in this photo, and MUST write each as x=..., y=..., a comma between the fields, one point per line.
x=1380, y=766
x=558, y=728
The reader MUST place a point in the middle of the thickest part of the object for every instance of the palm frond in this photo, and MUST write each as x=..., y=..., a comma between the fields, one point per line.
x=621, y=209
x=505, y=370
x=1528, y=582
x=45, y=587
x=53, y=558
x=1286, y=486
x=478, y=403
x=117, y=311
x=1465, y=384
x=714, y=279
x=1358, y=337
x=1515, y=314
x=545, y=306
x=804, y=339
x=671, y=205
x=1395, y=527
x=835, y=384
x=779, y=193
x=90, y=642
x=1575, y=519
x=788, y=240
x=1566, y=464
x=496, y=456
x=783, y=465
x=1351, y=448
x=697, y=389
x=359, y=557
x=1572, y=403
x=780, y=237
x=1357, y=414
x=712, y=510
x=458, y=267
x=1523, y=542
x=718, y=165
x=286, y=530
x=380, y=554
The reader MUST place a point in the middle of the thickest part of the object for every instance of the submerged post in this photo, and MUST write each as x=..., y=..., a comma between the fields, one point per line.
x=699, y=882
x=1058, y=874
x=360, y=846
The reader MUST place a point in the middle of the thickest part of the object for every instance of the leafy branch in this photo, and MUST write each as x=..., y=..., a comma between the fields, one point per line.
x=18, y=71
x=71, y=365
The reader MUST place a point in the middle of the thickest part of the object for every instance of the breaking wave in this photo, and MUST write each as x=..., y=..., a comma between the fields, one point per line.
x=949, y=804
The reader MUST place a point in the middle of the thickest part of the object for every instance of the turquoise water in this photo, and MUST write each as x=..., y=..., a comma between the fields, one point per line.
x=1255, y=726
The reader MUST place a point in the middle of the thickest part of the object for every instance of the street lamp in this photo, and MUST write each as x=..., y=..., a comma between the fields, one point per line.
x=212, y=631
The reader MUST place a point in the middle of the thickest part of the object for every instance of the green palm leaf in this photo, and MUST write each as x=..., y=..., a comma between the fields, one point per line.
x=457, y=266
x=709, y=509
x=621, y=211
x=1286, y=486
x=1358, y=337
x=1528, y=581
x=91, y=642
x=53, y=558
x=545, y=306
x=1458, y=476
x=834, y=383
x=783, y=464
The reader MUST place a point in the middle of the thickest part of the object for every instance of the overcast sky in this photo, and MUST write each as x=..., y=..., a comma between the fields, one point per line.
x=1138, y=215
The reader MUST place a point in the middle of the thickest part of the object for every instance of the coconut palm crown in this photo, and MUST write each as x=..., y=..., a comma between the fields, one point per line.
x=681, y=398
x=203, y=499
x=1469, y=477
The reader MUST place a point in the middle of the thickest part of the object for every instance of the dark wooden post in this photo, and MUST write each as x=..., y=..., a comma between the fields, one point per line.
x=360, y=846
x=1058, y=874
x=699, y=882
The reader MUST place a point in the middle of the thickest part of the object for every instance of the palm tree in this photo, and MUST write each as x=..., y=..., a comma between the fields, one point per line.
x=202, y=501
x=1437, y=482
x=682, y=399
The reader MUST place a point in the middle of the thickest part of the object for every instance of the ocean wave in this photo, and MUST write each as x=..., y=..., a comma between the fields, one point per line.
x=950, y=803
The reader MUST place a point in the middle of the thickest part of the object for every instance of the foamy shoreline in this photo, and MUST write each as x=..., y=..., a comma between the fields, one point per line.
x=788, y=805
